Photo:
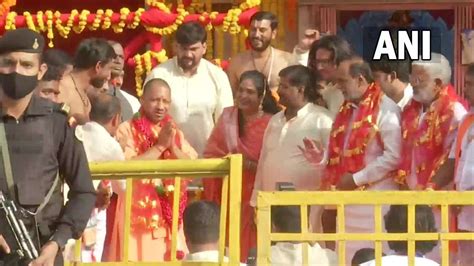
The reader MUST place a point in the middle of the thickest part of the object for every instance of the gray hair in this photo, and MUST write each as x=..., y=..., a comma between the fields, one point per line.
x=438, y=67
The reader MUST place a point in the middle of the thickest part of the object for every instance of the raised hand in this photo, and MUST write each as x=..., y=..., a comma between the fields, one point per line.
x=313, y=151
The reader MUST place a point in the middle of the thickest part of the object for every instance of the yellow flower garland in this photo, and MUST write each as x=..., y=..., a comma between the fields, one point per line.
x=143, y=66
x=107, y=19
x=40, y=20
x=124, y=12
x=82, y=23
x=29, y=21
x=136, y=18
x=49, y=24
x=97, y=20
x=158, y=4
x=10, y=21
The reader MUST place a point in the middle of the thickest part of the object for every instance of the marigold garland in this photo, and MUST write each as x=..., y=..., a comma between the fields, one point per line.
x=107, y=19
x=29, y=21
x=144, y=65
x=39, y=19
x=158, y=4
x=10, y=21
x=5, y=6
x=49, y=24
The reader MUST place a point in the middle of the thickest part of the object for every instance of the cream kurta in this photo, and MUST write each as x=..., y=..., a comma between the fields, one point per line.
x=381, y=157
x=282, y=161
x=99, y=146
x=196, y=101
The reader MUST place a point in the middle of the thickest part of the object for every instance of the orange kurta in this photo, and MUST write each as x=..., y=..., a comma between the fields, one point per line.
x=148, y=245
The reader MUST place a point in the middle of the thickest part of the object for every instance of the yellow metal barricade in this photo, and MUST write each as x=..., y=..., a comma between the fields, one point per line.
x=230, y=169
x=372, y=198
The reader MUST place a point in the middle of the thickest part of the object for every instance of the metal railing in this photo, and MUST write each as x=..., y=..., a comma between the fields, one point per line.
x=444, y=199
x=230, y=169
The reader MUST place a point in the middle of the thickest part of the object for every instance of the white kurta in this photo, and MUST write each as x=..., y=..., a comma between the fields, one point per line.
x=282, y=161
x=380, y=160
x=99, y=146
x=196, y=101
x=289, y=254
x=280, y=144
x=459, y=112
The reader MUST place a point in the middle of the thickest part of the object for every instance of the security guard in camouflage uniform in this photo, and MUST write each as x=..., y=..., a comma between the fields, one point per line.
x=39, y=145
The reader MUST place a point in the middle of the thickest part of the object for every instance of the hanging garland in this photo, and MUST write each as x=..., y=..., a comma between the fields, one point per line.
x=159, y=20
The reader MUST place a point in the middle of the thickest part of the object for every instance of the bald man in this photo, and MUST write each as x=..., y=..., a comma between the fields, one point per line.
x=101, y=146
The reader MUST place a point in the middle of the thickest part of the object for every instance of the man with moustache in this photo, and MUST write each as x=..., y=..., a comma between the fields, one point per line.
x=363, y=149
x=199, y=89
x=429, y=125
x=92, y=66
x=262, y=56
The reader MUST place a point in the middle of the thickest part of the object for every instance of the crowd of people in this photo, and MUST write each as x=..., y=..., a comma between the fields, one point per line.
x=317, y=118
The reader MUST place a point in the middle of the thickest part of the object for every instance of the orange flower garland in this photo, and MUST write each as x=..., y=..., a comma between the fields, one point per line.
x=426, y=141
x=351, y=160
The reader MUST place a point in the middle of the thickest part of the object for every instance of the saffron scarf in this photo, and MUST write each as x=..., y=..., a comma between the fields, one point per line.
x=352, y=159
x=424, y=143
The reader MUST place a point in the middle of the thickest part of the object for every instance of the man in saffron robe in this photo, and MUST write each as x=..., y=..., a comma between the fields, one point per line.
x=429, y=126
x=363, y=146
x=151, y=135
x=240, y=129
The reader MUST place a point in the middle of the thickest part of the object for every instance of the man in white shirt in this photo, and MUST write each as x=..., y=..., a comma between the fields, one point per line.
x=460, y=168
x=201, y=223
x=433, y=108
x=128, y=102
x=100, y=146
x=364, y=145
x=199, y=89
x=396, y=221
x=287, y=219
x=394, y=79
x=286, y=131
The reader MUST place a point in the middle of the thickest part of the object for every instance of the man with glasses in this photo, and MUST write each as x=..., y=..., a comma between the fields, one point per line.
x=429, y=126
x=324, y=57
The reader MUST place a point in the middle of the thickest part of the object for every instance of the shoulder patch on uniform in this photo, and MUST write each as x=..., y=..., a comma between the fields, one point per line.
x=65, y=108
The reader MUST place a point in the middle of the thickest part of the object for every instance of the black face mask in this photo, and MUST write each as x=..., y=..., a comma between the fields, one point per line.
x=17, y=86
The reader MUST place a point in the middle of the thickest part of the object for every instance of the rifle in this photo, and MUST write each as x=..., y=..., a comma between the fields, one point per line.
x=23, y=247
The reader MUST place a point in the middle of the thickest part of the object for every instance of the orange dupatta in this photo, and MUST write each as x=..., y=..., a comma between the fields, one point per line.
x=352, y=159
